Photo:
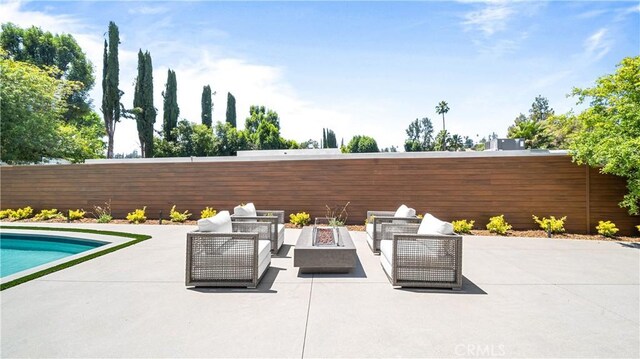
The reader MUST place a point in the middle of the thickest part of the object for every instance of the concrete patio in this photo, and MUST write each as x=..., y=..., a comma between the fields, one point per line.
x=521, y=298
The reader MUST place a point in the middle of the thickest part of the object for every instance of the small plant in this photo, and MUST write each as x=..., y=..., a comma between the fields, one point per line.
x=21, y=213
x=552, y=224
x=207, y=212
x=299, y=219
x=420, y=216
x=5, y=213
x=462, y=226
x=137, y=216
x=76, y=215
x=103, y=214
x=498, y=225
x=339, y=215
x=178, y=216
x=607, y=229
x=47, y=214
x=638, y=227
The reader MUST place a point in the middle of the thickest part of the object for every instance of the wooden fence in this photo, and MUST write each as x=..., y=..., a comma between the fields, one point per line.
x=450, y=186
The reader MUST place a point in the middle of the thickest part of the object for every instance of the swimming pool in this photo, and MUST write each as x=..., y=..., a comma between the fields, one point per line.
x=19, y=252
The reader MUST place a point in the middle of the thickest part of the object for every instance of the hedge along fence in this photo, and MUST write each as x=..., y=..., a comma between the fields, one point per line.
x=470, y=185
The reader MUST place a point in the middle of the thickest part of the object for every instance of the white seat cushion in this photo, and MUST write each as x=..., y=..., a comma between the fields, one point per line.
x=248, y=210
x=369, y=229
x=404, y=211
x=220, y=223
x=386, y=250
x=264, y=256
x=432, y=225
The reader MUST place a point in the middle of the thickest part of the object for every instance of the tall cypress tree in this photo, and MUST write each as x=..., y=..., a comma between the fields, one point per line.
x=207, y=106
x=171, y=109
x=145, y=112
x=231, y=109
x=324, y=138
x=110, y=81
x=331, y=139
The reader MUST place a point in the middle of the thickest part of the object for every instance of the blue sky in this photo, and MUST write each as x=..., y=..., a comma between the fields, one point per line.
x=367, y=68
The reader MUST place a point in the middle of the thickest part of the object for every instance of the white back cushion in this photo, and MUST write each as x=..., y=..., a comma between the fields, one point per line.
x=248, y=210
x=404, y=211
x=220, y=223
x=432, y=225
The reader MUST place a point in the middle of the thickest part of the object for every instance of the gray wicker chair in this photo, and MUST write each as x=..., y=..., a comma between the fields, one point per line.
x=237, y=259
x=421, y=260
x=375, y=220
x=273, y=217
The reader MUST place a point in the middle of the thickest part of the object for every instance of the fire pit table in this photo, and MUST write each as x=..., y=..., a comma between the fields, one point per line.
x=323, y=254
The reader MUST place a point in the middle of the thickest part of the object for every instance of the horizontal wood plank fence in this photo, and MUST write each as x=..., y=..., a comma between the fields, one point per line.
x=453, y=187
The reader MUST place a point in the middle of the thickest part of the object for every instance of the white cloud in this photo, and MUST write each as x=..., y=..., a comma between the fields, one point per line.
x=598, y=44
x=491, y=19
x=148, y=10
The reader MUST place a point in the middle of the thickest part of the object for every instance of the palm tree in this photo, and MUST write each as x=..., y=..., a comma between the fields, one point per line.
x=441, y=109
x=457, y=143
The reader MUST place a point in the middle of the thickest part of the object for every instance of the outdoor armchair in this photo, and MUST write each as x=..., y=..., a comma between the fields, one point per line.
x=375, y=219
x=273, y=218
x=421, y=260
x=235, y=259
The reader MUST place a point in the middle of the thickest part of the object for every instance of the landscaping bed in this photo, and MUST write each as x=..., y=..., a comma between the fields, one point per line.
x=361, y=228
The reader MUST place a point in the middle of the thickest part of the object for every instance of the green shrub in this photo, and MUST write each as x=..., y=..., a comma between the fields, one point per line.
x=21, y=213
x=77, y=214
x=46, y=214
x=462, y=226
x=638, y=227
x=300, y=219
x=498, y=225
x=607, y=229
x=178, y=216
x=208, y=212
x=137, y=216
x=5, y=213
x=103, y=214
x=552, y=224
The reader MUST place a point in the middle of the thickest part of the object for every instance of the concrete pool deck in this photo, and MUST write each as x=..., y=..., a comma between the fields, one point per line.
x=521, y=298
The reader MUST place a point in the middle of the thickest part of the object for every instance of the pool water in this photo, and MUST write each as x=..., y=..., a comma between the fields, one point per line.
x=23, y=251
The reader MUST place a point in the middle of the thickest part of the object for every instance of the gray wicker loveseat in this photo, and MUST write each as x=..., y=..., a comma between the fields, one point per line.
x=232, y=258
x=273, y=219
x=413, y=259
x=375, y=220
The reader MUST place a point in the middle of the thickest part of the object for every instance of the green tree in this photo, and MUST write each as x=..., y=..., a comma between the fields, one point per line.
x=561, y=129
x=362, y=144
x=540, y=109
x=231, y=109
x=207, y=106
x=171, y=109
x=190, y=140
x=533, y=128
x=456, y=143
x=144, y=111
x=419, y=136
x=608, y=134
x=43, y=49
x=33, y=126
x=229, y=140
x=533, y=133
x=442, y=141
x=331, y=139
x=111, y=94
x=441, y=109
